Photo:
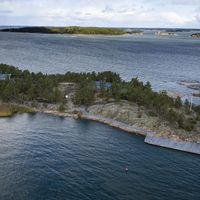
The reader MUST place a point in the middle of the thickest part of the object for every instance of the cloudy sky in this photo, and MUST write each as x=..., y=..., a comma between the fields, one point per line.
x=116, y=13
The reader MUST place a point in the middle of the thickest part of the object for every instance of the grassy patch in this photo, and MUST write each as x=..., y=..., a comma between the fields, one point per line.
x=7, y=110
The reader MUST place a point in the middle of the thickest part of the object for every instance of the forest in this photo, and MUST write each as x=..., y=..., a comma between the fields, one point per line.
x=73, y=30
x=38, y=87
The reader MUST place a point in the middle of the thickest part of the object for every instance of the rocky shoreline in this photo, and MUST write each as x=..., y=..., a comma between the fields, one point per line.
x=150, y=136
x=186, y=146
x=116, y=124
x=103, y=113
x=195, y=35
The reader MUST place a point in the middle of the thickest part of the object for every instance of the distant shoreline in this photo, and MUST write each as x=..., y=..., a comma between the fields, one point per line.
x=76, y=30
x=195, y=35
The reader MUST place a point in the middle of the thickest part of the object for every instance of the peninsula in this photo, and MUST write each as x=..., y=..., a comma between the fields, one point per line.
x=74, y=30
x=129, y=105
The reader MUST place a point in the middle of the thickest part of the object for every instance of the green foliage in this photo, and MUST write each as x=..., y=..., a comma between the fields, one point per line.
x=103, y=88
x=186, y=103
x=8, y=110
x=26, y=86
x=159, y=104
x=107, y=76
x=34, y=104
x=172, y=116
x=20, y=109
x=45, y=105
x=152, y=113
x=85, y=94
x=197, y=109
x=181, y=120
x=178, y=103
x=189, y=124
x=38, y=87
x=73, y=30
x=61, y=107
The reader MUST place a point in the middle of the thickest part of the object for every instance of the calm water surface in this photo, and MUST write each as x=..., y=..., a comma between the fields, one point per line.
x=48, y=157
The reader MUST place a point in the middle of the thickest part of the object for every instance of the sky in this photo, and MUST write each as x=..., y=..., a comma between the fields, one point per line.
x=104, y=13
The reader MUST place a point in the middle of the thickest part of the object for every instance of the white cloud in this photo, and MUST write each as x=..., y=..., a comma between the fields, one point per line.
x=198, y=18
x=174, y=2
x=132, y=13
x=172, y=17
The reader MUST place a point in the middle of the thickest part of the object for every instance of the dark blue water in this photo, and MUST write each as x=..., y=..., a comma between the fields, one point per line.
x=48, y=157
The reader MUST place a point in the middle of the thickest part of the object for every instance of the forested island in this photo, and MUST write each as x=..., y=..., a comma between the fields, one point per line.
x=196, y=35
x=74, y=30
x=130, y=105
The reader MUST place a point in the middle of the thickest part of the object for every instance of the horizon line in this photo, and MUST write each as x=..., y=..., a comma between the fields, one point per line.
x=101, y=27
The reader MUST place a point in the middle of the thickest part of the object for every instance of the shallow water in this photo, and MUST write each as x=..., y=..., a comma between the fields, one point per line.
x=48, y=157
